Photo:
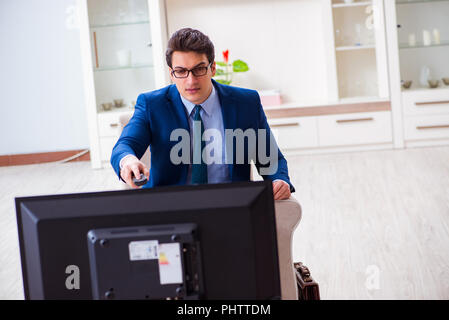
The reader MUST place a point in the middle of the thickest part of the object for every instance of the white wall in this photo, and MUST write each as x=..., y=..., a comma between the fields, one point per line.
x=281, y=40
x=42, y=103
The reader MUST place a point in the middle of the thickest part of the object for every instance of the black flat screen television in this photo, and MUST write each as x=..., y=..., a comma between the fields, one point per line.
x=215, y=241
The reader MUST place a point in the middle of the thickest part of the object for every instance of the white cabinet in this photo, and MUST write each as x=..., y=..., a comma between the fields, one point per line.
x=109, y=130
x=423, y=41
x=354, y=129
x=433, y=127
x=122, y=44
x=359, y=49
x=295, y=133
x=426, y=115
x=357, y=72
x=425, y=102
x=106, y=145
x=418, y=49
x=108, y=123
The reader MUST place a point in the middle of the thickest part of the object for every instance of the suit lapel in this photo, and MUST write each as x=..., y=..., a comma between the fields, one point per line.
x=177, y=108
x=228, y=106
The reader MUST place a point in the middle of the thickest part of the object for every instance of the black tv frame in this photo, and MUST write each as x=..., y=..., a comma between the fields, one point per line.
x=244, y=212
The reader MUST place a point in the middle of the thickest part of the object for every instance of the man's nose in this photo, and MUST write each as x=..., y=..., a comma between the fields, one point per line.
x=191, y=78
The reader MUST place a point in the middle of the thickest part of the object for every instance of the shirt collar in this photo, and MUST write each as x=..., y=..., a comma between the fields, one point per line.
x=208, y=105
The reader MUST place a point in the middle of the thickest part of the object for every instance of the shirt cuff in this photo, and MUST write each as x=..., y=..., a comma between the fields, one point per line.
x=121, y=160
x=289, y=187
x=282, y=181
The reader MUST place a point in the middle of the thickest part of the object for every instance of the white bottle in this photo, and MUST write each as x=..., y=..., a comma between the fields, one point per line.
x=427, y=41
x=436, y=36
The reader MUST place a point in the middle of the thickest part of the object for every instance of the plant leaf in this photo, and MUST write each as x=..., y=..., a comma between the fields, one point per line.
x=239, y=66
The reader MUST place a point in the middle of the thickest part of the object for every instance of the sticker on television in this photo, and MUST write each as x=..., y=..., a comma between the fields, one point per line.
x=143, y=250
x=170, y=265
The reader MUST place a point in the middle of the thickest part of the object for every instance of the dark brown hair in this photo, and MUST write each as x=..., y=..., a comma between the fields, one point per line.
x=189, y=39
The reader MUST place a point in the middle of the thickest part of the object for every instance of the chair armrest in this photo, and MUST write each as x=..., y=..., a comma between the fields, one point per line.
x=288, y=215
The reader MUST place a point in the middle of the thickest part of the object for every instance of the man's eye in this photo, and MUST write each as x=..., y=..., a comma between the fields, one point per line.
x=199, y=71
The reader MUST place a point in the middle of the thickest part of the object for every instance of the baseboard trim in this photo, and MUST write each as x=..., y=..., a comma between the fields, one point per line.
x=426, y=143
x=43, y=157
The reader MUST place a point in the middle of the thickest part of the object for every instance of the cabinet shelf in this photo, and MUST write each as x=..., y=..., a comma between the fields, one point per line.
x=327, y=104
x=418, y=1
x=350, y=48
x=442, y=86
x=421, y=45
x=98, y=26
x=111, y=68
x=353, y=4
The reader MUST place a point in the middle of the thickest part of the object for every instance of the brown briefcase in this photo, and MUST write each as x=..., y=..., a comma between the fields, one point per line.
x=307, y=288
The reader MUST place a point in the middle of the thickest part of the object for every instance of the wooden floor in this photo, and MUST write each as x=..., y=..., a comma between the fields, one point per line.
x=375, y=224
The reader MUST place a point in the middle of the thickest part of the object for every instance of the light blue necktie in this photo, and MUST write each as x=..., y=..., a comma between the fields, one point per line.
x=199, y=167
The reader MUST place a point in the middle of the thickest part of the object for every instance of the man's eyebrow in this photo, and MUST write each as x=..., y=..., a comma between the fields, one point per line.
x=199, y=64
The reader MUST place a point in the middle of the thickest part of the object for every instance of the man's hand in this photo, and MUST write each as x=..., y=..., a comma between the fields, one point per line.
x=131, y=166
x=281, y=190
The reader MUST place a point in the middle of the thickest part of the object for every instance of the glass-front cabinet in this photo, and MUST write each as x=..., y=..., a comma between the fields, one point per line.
x=121, y=50
x=360, y=50
x=423, y=40
x=122, y=43
x=419, y=70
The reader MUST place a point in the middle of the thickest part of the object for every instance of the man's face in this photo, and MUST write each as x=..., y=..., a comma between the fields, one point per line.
x=196, y=89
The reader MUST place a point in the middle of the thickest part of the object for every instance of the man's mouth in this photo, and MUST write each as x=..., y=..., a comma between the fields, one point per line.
x=193, y=90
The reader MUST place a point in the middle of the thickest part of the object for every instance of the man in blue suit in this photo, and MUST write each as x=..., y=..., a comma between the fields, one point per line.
x=205, y=111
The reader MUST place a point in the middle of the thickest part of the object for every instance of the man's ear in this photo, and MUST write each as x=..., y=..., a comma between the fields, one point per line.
x=170, y=70
x=213, y=69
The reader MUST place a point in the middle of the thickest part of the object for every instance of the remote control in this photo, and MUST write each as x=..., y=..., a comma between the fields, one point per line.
x=141, y=181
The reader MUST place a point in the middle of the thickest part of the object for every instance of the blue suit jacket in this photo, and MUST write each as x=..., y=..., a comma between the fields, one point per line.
x=159, y=112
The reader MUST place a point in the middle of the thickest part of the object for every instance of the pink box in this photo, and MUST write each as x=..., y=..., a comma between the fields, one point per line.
x=270, y=98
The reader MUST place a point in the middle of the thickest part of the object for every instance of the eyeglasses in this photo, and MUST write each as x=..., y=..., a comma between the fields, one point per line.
x=197, y=72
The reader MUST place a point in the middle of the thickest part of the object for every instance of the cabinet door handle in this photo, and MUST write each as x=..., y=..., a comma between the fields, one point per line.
x=431, y=102
x=113, y=125
x=292, y=124
x=354, y=120
x=96, y=50
x=433, y=127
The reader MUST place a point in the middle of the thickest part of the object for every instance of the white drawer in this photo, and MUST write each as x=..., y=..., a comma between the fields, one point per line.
x=294, y=133
x=109, y=124
x=106, y=145
x=426, y=127
x=355, y=128
x=422, y=102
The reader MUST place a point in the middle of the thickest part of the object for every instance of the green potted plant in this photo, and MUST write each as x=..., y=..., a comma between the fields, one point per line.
x=225, y=70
